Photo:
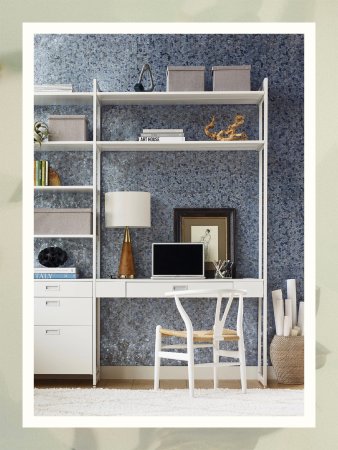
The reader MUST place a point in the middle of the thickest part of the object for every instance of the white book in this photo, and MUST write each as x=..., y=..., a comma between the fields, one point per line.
x=55, y=269
x=162, y=139
x=168, y=134
x=162, y=130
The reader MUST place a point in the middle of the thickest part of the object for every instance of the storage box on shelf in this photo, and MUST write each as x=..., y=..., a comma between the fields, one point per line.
x=67, y=128
x=68, y=221
x=185, y=78
x=231, y=78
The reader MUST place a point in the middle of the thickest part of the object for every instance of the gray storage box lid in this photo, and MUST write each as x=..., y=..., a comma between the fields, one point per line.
x=231, y=68
x=63, y=210
x=68, y=117
x=172, y=68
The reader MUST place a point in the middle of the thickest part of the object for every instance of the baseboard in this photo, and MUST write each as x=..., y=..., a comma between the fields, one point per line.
x=176, y=373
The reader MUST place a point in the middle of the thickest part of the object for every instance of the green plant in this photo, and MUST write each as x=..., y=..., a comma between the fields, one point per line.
x=40, y=132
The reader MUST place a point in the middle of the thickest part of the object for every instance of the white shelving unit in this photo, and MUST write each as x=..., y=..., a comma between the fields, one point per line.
x=112, y=288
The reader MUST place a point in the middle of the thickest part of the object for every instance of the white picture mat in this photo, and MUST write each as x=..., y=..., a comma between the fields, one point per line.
x=209, y=236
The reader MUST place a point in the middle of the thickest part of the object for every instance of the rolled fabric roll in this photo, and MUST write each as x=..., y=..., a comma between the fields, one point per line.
x=301, y=317
x=291, y=293
x=287, y=326
x=288, y=309
x=278, y=310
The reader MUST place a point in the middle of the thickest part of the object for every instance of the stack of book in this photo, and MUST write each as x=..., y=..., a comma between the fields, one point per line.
x=162, y=135
x=41, y=171
x=51, y=273
x=53, y=88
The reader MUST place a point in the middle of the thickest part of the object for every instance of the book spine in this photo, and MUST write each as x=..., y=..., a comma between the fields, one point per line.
x=43, y=172
x=39, y=174
x=55, y=276
x=36, y=173
x=47, y=173
x=55, y=270
x=161, y=139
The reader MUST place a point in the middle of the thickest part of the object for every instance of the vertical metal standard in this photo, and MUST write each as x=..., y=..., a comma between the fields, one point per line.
x=94, y=318
x=265, y=232
x=260, y=239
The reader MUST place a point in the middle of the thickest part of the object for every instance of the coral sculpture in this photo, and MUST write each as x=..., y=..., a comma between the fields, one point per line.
x=228, y=134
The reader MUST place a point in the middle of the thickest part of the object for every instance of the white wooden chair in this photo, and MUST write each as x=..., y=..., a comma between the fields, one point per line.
x=204, y=338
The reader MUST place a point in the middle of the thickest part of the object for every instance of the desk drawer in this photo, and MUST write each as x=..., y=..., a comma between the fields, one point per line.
x=254, y=288
x=62, y=311
x=156, y=288
x=62, y=350
x=56, y=288
x=110, y=288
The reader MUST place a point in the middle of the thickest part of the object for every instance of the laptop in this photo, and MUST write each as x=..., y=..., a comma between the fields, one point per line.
x=178, y=260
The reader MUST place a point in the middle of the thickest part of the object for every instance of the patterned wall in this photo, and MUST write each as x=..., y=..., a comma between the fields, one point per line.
x=201, y=179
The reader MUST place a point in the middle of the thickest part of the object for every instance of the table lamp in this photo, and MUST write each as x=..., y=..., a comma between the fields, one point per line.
x=128, y=210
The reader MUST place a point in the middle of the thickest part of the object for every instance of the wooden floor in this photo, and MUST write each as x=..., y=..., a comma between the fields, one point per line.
x=164, y=384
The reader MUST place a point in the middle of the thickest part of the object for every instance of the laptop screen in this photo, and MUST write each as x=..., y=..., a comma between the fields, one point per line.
x=179, y=259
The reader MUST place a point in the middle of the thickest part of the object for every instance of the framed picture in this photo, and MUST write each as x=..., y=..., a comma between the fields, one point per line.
x=215, y=227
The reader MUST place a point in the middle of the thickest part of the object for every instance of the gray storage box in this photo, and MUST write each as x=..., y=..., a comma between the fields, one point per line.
x=231, y=78
x=67, y=128
x=63, y=221
x=185, y=78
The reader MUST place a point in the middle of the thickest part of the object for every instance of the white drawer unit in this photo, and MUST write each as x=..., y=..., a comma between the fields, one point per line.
x=63, y=311
x=57, y=288
x=63, y=331
x=62, y=349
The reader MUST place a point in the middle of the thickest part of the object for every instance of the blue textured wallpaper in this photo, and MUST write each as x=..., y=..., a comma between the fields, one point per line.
x=201, y=179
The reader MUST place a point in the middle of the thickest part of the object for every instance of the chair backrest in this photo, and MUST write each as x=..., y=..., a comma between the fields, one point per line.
x=219, y=294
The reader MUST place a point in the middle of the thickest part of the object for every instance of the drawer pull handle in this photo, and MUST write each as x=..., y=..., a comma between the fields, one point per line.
x=52, y=302
x=54, y=287
x=52, y=332
x=180, y=288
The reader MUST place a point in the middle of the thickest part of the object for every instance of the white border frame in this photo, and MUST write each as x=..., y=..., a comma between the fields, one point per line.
x=308, y=30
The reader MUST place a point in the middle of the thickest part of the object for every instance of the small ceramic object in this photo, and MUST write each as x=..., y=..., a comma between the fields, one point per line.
x=52, y=257
x=139, y=86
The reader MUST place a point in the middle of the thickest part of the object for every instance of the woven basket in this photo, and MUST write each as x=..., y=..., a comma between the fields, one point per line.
x=287, y=357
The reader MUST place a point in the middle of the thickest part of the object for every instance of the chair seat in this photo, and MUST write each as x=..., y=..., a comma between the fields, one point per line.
x=201, y=335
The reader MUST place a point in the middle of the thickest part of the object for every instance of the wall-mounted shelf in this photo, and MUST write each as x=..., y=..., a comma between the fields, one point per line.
x=64, y=146
x=97, y=100
x=64, y=188
x=63, y=98
x=181, y=146
x=181, y=98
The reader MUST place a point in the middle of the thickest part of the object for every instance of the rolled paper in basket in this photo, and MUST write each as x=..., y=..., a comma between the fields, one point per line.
x=287, y=326
x=291, y=292
x=288, y=308
x=278, y=310
x=301, y=317
x=294, y=332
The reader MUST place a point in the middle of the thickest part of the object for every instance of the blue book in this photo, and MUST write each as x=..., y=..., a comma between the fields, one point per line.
x=52, y=276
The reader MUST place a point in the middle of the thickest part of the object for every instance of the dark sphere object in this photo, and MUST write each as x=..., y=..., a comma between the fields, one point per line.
x=52, y=257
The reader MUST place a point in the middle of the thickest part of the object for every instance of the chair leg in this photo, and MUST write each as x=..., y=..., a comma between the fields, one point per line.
x=158, y=339
x=191, y=376
x=216, y=362
x=242, y=364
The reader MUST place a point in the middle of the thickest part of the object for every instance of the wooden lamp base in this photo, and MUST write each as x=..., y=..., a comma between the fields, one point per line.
x=126, y=268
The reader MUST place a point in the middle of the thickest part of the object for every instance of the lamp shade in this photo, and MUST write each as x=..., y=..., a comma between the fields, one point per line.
x=127, y=209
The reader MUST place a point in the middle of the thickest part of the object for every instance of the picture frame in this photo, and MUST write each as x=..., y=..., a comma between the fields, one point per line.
x=213, y=226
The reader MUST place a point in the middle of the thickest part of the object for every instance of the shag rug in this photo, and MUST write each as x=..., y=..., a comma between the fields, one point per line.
x=168, y=402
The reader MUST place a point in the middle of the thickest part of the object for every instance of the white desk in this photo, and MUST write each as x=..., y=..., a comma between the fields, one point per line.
x=149, y=288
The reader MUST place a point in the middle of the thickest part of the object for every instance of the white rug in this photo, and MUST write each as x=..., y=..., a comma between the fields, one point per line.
x=171, y=402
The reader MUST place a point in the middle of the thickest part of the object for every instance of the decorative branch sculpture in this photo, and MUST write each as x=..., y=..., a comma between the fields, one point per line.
x=228, y=134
